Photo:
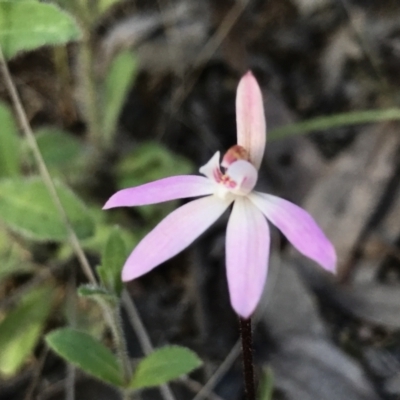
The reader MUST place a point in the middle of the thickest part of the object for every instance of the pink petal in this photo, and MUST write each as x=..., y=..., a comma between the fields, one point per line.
x=174, y=187
x=212, y=170
x=247, y=250
x=299, y=228
x=244, y=174
x=250, y=118
x=173, y=234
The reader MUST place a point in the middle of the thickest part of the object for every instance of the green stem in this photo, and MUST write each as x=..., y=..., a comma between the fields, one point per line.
x=335, y=121
x=126, y=395
x=91, y=95
x=115, y=323
x=85, y=13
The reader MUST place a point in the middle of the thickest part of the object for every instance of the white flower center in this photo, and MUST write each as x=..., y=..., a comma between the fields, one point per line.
x=238, y=179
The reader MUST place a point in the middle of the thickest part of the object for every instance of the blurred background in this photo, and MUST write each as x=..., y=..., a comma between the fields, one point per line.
x=166, y=72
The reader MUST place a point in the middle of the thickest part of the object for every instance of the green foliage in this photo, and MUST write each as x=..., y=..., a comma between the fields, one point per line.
x=96, y=243
x=104, y=5
x=13, y=258
x=83, y=351
x=148, y=162
x=335, y=121
x=118, y=82
x=266, y=388
x=27, y=207
x=59, y=149
x=27, y=25
x=99, y=294
x=164, y=365
x=114, y=256
x=90, y=290
x=9, y=147
x=21, y=328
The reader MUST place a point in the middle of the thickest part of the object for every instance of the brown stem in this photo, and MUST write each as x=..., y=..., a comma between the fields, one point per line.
x=247, y=355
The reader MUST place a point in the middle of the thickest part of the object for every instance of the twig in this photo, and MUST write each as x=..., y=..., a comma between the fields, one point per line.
x=71, y=312
x=223, y=30
x=198, y=387
x=36, y=375
x=366, y=49
x=19, y=292
x=208, y=50
x=219, y=373
x=136, y=322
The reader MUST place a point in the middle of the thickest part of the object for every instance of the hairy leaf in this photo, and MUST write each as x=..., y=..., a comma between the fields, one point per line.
x=27, y=207
x=164, y=365
x=27, y=25
x=9, y=146
x=85, y=352
x=21, y=329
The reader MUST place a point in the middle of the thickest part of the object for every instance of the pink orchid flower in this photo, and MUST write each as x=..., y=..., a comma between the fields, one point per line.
x=247, y=236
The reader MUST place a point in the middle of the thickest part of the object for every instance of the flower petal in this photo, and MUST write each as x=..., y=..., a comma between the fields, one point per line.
x=244, y=174
x=247, y=251
x=250, y=118
x=173, y=234
x=299, y=228
x=212, y=170
x=172, y=188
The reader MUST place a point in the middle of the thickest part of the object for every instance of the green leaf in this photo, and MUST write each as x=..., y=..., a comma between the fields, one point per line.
x=335, y=121
x=89, y=290
x=149, y=162
x=14, y=259
x=114, y=256
x=59, y=149
x=9, y=146
x=27, y=25
x=104, y=5
x=96, y=293
x=118, y=82
x=97, y=243
x=164, y=365
x=21, y=329
x=266, y=389
x=27, y=207
x=83, y=351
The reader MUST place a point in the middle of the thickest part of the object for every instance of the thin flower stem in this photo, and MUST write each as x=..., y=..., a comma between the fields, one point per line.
x=235, y=351
x=71, y=300
x=115, y=323
x=136, y=322
x=206, y=53
x=247, y=355
x=86, y=12
x=44, y=172
x=219, y=373
x=126, y=395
